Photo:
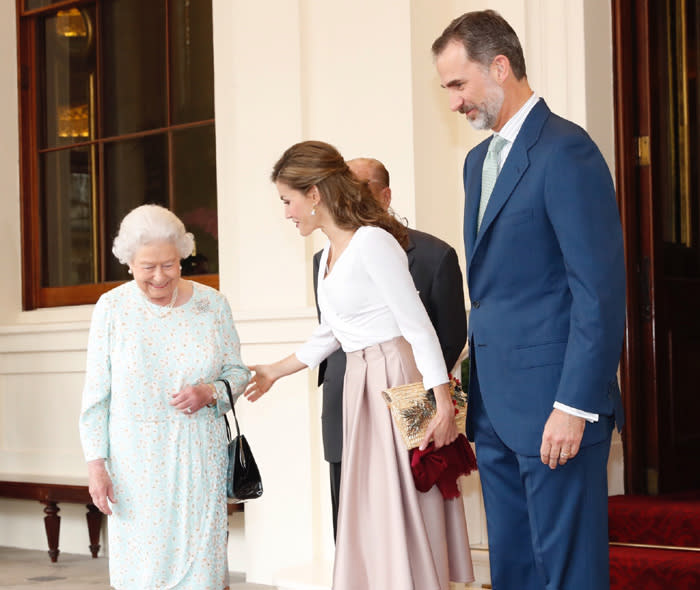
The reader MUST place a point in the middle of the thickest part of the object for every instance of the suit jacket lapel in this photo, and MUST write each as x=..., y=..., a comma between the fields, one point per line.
x=473, y=195
x=515, y=166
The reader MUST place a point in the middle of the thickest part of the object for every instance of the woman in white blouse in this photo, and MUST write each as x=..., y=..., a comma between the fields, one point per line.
x=389, y=534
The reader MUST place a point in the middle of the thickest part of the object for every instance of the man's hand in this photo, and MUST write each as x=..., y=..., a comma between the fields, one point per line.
x=561, y=438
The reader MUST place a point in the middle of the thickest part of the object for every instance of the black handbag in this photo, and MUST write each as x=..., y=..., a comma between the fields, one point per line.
x=242, y=476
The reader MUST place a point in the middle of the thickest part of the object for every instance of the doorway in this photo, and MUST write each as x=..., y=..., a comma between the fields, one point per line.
x=657, y=102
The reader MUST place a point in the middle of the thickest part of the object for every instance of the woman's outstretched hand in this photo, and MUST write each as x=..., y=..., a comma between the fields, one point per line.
x=260, y=383
x=265, y=375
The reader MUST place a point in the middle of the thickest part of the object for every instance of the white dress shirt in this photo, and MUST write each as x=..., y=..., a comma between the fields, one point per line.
x=369, y=297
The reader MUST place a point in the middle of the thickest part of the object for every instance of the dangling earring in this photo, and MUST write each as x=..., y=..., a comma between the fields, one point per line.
x=313, y=210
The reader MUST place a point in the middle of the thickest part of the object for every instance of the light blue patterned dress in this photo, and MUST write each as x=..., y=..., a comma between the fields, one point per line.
x=168, y=527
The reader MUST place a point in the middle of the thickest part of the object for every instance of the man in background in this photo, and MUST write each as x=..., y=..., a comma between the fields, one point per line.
x=434, y=266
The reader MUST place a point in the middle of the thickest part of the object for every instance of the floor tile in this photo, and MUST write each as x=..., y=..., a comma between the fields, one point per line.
x=22, y=569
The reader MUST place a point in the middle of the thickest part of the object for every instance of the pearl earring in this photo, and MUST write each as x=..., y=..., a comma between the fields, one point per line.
x=313, y=210
x=129, y=271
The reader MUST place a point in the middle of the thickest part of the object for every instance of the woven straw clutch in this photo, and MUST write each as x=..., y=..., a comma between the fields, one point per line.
x=412, y=408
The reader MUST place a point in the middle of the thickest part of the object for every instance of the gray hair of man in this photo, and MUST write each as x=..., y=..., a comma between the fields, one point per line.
x=484, y=35
x=147, y=224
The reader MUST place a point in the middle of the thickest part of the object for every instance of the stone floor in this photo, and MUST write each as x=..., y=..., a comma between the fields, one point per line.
x=24, y=569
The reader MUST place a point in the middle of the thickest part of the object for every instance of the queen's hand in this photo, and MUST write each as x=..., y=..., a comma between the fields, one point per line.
x=192, y=398
x=100, y=486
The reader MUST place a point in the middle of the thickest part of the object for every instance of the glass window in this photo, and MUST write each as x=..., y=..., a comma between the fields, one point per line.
x=134, y=57
x=33, y=4
x=194, y=189
x=191, y=63
x=66, y=79
x=117, y=110
x=67, y=208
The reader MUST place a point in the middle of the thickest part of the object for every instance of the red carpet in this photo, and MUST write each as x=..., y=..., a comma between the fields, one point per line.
x=652, y=569
x=661, y=520
x=672, y=521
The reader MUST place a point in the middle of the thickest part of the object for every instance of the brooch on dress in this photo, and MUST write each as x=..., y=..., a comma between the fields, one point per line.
x=201, y=306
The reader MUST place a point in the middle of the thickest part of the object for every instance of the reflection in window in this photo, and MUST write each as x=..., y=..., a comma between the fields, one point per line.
x=680, y=186
x=67, y=208
x=195, y=194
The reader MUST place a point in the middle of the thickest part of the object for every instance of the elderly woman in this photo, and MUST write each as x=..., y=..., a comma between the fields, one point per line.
x=150, y=424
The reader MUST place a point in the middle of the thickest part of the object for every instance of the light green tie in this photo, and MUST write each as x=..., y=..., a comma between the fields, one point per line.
x=489, y=173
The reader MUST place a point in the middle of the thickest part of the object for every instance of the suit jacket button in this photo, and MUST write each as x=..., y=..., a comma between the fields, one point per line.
x=475, y=304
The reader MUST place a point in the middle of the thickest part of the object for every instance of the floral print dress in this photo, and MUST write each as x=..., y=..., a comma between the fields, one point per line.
x=168, y=527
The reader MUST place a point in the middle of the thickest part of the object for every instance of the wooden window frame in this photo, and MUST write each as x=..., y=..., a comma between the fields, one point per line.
x=34, y=295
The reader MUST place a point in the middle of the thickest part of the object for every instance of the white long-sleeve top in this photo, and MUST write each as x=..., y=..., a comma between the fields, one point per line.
x=369, y=297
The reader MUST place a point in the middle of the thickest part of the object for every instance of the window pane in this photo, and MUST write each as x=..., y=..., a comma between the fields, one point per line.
x=680, y=189
x=32, y=4
x=68, y=81
x=194, y=171
x=134, y=77
x=135, y=172
x=112, y=109
x=192, y=61
x=69, y=243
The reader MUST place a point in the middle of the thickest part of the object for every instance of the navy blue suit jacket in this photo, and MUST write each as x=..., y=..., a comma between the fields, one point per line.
x=546, y=279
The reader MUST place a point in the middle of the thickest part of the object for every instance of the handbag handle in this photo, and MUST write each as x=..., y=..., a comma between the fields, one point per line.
x=233, y=409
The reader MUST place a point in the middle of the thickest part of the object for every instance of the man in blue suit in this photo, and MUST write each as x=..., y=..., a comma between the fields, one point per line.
x=546, y=280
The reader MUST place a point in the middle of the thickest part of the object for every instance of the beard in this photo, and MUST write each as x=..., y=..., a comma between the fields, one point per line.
x=487, y=112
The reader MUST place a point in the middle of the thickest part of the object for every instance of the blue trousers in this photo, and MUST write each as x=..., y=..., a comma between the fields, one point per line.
x=547, y=529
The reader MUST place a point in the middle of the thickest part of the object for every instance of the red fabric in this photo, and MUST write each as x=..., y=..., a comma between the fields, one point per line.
x=443, y=466
x=673, y=520
x=653, y=569
x=655, y=520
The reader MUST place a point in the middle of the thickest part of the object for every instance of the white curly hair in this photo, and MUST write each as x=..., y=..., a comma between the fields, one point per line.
x=147, y=224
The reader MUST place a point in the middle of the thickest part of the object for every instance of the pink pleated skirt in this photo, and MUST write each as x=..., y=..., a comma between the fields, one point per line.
x=390, y=535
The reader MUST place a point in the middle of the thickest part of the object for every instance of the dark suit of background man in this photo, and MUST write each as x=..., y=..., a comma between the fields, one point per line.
x=435, y=270
x=546, y=279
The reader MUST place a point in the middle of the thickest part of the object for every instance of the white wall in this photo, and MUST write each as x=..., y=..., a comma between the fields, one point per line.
x=360, y=76
x=10, y=255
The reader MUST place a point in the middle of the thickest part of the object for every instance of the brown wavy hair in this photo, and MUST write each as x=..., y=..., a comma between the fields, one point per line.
x=349, y=201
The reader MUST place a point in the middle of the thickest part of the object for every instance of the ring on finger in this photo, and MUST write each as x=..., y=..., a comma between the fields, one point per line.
x=188, y=410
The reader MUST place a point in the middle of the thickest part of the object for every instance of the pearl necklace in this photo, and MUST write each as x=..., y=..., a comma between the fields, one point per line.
x=168, y=308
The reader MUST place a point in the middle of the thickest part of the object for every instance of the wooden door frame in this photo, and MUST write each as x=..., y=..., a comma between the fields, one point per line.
x=631, y=61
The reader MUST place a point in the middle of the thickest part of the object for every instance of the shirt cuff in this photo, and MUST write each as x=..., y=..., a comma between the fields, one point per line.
x=307, y=358
x=436, y=380
x=574, y=412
